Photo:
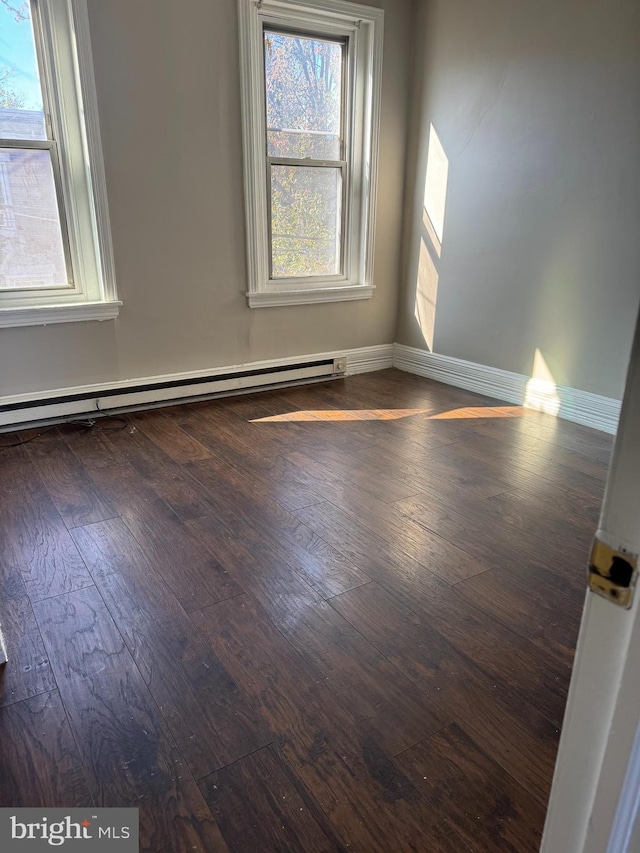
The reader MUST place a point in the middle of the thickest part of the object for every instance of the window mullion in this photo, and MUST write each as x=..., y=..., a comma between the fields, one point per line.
x=42, y=43
x=39, y=144
x=305, y=161
x=64, y=225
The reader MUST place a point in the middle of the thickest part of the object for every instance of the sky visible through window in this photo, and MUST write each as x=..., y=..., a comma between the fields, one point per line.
x=18, y=64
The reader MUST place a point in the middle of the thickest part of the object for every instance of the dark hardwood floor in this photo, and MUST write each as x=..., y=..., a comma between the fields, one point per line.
x=338, y=617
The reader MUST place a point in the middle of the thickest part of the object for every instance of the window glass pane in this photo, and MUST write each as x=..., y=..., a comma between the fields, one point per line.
x=31, y=251
x=21, y=110
x=305, y=221
x=303, y=79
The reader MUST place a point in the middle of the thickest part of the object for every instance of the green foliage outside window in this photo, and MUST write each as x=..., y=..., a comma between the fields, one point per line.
x=303, y=78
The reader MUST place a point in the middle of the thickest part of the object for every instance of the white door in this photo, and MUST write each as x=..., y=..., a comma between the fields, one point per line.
x=595, y=798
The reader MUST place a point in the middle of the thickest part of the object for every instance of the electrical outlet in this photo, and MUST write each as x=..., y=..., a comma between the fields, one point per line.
x=339, y=364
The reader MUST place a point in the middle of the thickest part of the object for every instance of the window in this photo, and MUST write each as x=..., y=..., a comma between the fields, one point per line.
x=55, y=252
x=311, y=98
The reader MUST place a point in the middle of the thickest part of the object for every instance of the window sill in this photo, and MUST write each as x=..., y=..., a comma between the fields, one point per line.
x=278, y=298
x=40, y=315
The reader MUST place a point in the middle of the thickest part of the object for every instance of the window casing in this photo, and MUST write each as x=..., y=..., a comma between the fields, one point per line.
x=7, y=218
x=351, y=163
x=64, y=154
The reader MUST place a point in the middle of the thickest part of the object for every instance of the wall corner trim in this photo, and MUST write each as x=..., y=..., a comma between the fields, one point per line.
x=365, y=359
x=580, y=407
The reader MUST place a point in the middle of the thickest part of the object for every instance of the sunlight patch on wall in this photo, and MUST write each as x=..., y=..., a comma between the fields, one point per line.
x=435, y=184
x=541, y=391
x=432, y=229
x=426, y=295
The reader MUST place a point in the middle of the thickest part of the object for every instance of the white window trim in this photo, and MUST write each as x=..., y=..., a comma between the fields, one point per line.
x=5, y=198
x=363, y=26
x=67, y=56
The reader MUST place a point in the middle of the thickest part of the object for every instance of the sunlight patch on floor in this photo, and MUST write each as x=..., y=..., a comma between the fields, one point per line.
x=480, y=412
x=343, y=415
x=338, y=415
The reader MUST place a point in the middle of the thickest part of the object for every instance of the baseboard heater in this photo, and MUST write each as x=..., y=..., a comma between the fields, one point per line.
x=19, y=413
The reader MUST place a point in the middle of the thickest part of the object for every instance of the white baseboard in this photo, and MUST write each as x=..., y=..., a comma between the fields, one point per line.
x=370, y=358
x=581, y=407
x=60, y=403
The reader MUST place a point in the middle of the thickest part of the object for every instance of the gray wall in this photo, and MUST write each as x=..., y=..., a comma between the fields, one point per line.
x=536, y=107
x=168, y=88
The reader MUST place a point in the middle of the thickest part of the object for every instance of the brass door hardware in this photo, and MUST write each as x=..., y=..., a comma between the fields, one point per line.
x=613, y=573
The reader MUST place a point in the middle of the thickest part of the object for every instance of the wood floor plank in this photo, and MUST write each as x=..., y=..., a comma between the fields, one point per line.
x=391, y=389
x=529, y=607
x=521, y=468
x=380, y=559
x=271, y=532
x=259, y=805
x=11, y=448
x=91, y=446
x=349, y=665
x=166, y=478
x=293, y=426
x=273, y=478
x=191, y=572
x=439, y=555
x=494, y=648
x=534, y=453
x=590, y=443
x=511, y=730
x=489, y=810
x=40, y=763
x=525, y=588
x=281, y=591
x=329, y=465
x=499, y=541
x=267, y=473
x=539, y=678
x=27, y=671
x=568, y=516
x=343, y=767
x=324, y=405
x=164, y=432
x=409, y=386
x=67, y=481
x=425, y=472
x=210, y=716
x=228, y=435
x=35, y=541
x=224, y=431
x=211, y=719
x=362, y=678
x=126, y=751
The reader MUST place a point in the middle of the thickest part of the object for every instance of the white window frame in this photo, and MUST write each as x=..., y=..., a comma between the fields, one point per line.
x=71, y=115
x=7, y=219
x=362, y=28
